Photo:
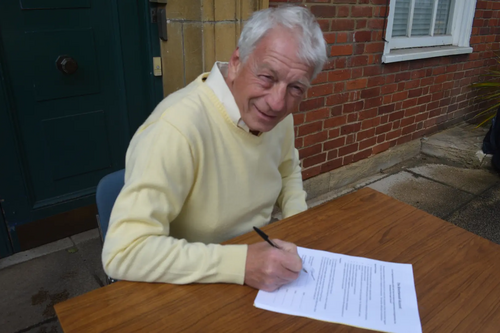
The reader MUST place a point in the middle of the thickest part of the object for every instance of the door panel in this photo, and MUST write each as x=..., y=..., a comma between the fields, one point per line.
x=72, y=126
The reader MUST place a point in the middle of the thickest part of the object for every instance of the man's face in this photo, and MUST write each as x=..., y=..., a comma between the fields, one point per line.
x=271, y=83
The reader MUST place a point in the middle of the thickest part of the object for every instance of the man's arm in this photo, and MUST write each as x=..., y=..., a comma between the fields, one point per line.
x=160, y=173
x=292, y=199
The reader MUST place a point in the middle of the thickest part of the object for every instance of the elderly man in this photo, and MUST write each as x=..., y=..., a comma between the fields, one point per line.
x=214, y=158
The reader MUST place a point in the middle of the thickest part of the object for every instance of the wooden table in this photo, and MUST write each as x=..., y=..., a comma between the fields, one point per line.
x=457, y=276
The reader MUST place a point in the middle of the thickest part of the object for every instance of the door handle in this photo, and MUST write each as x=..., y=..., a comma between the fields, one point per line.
x=66, y=64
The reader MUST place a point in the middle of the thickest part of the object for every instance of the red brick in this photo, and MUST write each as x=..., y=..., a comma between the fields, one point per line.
x=324, y=25
x=332, y=154
x=372, y=70
x=410, y=102
x=335, y=143
x=356, y=84
x=361, y=11
x=356, y=72
x=353, y=117
x=383, y=129
x=306, y=174
x=312, y=104
x=352, y=107
x=320, y=90
x=335, y=121
x=336, y=110
x=360, y=24
x=318, y=114
x=350, y=128
x=407, y=121
x=415, y=92
x=348, y=149
x=373, y=102
x=298, y=118
x=323, y=11
x=339, y=75
x=367, y=114
x=376, y=23
x=339, y=50
x=362, y=36
x=365, y=134
x=381, y=147
x=359, y=48
x=361, y=60
x=310, y=128
x=331, y=165
x=342, y=11
x=342, y=25
x=426, y=81
x=367, y=143
x=374, y=47
x=361, y=155
x=315, y=138
x=440, y=78
x=409, y=129
x=396, y=115
x=393, y=134
x=336, y=99
x=369, y=123
x=412, y=84
x=424, y=99
x=372, y=92
x=322, y=77
x=338, y=87
x=376, y=81
x=309, y=151
x=402, y=76
x=389, y=89
x=313, y=160
x=342, y=37
x=399, y=96
x=333, y=133
x=386, y=109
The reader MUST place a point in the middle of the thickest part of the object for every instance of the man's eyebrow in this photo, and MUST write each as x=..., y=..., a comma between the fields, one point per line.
x=305, y=82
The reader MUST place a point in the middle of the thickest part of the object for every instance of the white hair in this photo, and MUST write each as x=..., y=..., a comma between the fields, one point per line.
x=312, y=45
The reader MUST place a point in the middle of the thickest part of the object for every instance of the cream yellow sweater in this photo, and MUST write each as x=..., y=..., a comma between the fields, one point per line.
x=194, y=179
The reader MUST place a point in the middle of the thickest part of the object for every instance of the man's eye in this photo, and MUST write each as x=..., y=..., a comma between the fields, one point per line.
x=267, y=78
x=297, y=90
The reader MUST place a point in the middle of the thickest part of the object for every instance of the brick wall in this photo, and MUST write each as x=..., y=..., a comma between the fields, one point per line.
x=359, y=107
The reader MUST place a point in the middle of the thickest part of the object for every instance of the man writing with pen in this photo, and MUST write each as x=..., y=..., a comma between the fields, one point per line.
x=213, y=159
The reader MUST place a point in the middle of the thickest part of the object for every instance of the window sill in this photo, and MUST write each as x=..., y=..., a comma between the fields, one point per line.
x=424, y=52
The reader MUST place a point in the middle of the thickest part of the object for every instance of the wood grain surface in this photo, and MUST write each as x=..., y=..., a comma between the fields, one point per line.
x=457, y=276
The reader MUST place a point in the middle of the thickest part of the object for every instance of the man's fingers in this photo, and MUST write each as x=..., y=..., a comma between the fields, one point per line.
x=286, y=246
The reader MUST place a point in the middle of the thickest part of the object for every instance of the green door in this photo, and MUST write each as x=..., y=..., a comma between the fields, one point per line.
x=62, y=64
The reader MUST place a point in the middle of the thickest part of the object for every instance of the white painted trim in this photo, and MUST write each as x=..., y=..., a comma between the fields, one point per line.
x=421, y=41
x=422, y=53
x=433, y=20
x=409, y=48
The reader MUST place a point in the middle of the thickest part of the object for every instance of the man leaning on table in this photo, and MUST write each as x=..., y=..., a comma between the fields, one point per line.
x=212, y=160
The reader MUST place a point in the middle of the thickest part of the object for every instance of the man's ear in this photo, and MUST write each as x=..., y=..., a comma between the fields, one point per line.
x=234, y=64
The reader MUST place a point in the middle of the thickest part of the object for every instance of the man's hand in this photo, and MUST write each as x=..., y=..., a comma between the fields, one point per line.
x=268, y=268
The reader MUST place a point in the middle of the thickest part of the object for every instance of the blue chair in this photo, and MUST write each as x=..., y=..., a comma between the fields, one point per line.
x=107, y=191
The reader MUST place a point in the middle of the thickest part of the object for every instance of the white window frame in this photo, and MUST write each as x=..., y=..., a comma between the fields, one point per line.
x=409, y=48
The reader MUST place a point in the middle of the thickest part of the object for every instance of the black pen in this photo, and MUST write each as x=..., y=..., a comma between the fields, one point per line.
x=266, y=238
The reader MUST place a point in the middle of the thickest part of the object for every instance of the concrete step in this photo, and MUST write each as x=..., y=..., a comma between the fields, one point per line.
x=461, y=144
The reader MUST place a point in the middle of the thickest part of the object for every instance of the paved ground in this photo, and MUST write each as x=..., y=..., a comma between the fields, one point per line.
x=449, y=182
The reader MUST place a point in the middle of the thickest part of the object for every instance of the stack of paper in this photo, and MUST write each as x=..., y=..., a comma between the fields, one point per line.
x=349, y=290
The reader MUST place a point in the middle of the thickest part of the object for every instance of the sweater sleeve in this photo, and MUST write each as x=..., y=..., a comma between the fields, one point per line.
x=160, y=171
x=292, y=198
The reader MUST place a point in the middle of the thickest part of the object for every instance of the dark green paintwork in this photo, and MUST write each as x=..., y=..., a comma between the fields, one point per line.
x=60, y=134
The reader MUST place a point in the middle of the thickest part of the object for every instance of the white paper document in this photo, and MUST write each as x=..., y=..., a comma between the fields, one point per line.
x=349, y=290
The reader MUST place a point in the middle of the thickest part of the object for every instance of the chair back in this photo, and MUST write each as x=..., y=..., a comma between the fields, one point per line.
x=107, y=191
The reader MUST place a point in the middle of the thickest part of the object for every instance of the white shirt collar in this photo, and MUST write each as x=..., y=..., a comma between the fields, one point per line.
x=217, y=83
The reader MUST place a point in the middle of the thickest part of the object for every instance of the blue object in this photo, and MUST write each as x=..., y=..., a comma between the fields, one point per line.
x=107, y=191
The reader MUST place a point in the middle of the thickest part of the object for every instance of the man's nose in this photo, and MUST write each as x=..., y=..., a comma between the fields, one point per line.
x=276, y=98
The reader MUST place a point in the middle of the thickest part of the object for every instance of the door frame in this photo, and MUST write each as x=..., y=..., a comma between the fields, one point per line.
x=141, y=92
